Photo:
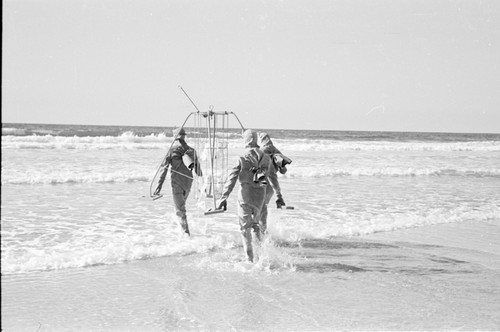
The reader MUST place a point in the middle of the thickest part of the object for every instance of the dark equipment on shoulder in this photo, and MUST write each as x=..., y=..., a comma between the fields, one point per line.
x=188, y=161
x=280, y=161
x=259, y=175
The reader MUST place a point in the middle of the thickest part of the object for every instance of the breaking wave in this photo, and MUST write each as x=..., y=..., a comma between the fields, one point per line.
x=56, y=177
x=131, y=141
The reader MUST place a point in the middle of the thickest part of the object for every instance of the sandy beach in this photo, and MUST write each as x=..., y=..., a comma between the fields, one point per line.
x=480, y=241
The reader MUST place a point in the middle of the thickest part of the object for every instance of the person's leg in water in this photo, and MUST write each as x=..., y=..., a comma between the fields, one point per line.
x=180, y=196
x=247, y=218
x=263, y=212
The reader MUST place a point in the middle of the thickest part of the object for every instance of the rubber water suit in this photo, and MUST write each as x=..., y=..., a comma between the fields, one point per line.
x=181, y=176
x=268, y=147
x=252, y=172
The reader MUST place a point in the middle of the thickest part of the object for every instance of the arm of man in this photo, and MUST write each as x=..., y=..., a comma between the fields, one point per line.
x=273, y=180
x=163, y=173
x=229, y=185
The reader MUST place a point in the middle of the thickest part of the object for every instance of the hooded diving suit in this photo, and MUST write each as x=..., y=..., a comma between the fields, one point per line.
x=182, y=161
x=252, y=172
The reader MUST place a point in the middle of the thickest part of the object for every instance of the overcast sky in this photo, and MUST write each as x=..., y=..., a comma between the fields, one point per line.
x=396, y=65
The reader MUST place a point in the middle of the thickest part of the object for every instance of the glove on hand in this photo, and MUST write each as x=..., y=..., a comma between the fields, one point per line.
x=222, y=204
x=198, y=170
x=280, y=202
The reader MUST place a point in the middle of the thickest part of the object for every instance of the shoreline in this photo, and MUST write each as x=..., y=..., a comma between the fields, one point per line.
x=456, y=291
x=465, y=236
x=481, y=238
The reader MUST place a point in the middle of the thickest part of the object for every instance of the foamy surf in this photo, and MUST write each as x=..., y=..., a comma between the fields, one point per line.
x=131, y=141
x=378, y=226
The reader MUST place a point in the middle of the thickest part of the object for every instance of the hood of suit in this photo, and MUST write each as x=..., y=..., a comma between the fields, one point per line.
x=250, y=139
x=265, y=139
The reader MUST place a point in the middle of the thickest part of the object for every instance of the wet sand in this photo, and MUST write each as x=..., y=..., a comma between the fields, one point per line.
x=482, y=239
x=440, y=277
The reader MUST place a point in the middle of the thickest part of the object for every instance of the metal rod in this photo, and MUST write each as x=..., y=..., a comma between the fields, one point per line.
x=210, y=150
x=180, y=87
x=243, y=128
x=214, y=153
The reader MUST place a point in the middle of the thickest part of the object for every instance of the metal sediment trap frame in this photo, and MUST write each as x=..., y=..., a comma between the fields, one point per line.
x=209, y=135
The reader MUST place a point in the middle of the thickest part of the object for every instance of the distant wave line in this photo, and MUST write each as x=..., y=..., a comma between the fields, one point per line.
x=54, y=179
x=160, y=142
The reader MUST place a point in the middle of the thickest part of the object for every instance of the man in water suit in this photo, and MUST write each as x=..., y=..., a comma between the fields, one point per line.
x=252, y=172
x=277, y=164
x=183, y=161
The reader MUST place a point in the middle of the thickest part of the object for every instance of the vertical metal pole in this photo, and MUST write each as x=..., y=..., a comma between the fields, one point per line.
x=226, y=157
x=209, y=131
x=213, y=159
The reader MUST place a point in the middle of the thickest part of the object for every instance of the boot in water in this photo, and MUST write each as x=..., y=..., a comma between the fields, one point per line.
x=185, y=227
x=246, y=236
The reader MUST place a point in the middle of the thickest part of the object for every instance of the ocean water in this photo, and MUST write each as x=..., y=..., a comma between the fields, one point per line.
x=389, y=231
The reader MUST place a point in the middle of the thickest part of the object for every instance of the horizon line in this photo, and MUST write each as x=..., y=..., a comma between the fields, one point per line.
x=282, y=129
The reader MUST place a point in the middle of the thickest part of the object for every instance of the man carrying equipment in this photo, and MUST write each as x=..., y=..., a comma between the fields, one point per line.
x=252, y=172
x=183, y=161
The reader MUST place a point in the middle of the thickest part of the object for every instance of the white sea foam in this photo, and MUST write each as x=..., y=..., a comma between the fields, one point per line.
x=129, y=140
x=100, y=244
x=67, y=177
x=316, y=226
x=103, y=243
x=13, y=131
x=329, y=145
x=78, y=201
x=128, y=175
x=314, y=172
